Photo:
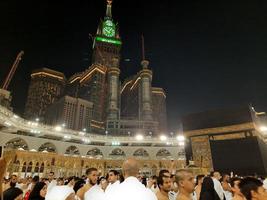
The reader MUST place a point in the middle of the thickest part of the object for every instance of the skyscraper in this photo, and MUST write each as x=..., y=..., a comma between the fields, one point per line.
x=128, y=108
x=46, y=87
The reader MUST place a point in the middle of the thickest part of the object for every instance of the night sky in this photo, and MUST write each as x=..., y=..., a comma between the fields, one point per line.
x=205, y=54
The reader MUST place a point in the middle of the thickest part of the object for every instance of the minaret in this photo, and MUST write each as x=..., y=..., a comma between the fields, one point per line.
x=145, y=88
x=113, y=73
x=113, y=90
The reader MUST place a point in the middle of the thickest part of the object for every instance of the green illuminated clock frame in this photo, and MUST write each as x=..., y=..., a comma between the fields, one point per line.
x=109, y=28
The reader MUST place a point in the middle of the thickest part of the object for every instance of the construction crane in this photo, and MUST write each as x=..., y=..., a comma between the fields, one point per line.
x=12, y=71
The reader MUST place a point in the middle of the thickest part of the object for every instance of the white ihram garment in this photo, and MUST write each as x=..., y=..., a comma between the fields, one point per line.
x=131, y=189
x=59, y=193
x=94, y=193
x=111, y=187
x=218, y=188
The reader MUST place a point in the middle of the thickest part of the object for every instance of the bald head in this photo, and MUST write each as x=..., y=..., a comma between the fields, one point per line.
x=130, y=167
x=182, y=174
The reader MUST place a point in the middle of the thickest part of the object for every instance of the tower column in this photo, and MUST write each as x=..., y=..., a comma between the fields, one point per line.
x=146, y=96
x=113, y=91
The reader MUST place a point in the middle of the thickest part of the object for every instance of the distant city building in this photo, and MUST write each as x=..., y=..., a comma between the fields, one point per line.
x=5, y=98
x=131, y=108
x=159, y=108
x=46, y=87
x=73, y=113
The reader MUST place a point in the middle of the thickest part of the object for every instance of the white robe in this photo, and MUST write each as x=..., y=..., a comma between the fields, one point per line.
x=94, y=193
x=218, y=188
x=59, y=193
x=111, y=187
x=131, y=189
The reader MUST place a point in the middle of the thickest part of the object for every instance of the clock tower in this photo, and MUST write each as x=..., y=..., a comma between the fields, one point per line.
x=107, y=42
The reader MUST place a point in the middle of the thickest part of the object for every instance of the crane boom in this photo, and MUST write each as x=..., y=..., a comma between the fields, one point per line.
x=12, y=70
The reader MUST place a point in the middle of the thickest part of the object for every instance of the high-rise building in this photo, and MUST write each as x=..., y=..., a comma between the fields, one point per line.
x=46, y=87
x=130, y=108
x=74, y=113
x=159, y=108
x=5, y=98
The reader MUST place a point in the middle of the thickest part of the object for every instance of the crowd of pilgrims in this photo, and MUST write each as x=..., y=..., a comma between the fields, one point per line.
x=130, y=185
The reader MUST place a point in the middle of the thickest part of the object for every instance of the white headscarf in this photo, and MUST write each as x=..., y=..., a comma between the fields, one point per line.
x=59, y=193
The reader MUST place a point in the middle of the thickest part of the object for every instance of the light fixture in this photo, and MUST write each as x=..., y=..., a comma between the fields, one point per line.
x=139, y=137
x=58, y=128
x=263, y=128
x=180, y=138
x=163, y=138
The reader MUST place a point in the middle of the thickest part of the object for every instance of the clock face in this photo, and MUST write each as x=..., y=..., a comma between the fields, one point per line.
x=109, y=31
x=109, y=28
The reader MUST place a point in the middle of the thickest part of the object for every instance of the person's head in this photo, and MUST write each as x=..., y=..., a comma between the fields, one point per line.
x=164, y=172
x=130, y=168
x=164, y=183
x=51, y=176
x=103, y=183
x=13, y=180
x=113, y=176
x=199, y=179
x=234, y=182
x=38, y=191
x=92, y=175
x=252, y=189
x=60, y=181
x=226, y=178
x=215, y=175
x=71, y=181
x=78, y=184
x=35, y=179
x=185, y=180
x=13, y=193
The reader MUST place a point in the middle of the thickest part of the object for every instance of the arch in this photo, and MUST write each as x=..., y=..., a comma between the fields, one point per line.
x=117, y=152
x=17, y=164
x=29, y=169
x=48, y=146
x=95, y=153
x=42, y=168
x=17, y=143
x=36, y=169
x=163, y=153
x=24, y=167
x=141, y=153
x=72, y=150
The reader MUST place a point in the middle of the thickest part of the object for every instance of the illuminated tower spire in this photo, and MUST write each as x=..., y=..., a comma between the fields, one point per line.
x=108, y=11
x=145, y=87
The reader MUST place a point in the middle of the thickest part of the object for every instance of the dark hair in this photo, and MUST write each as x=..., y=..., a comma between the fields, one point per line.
x=12, y=193
x=100, y=179
x=163, y=171
x=233, y=180
x=78, y=185
x=249, y=184
x=35, y=193
x=52, y=173
x=35, y=179
x=115, y=172
x=200, y=176
x=160, y=180
x=90, y=170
